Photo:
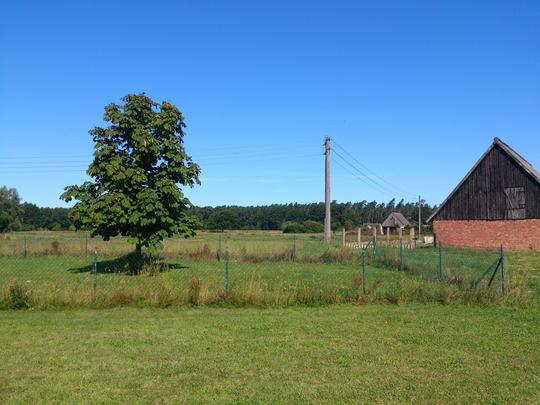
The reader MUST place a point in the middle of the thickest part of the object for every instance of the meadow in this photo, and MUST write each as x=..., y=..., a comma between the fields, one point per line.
x=256, y=269
x=291, y=310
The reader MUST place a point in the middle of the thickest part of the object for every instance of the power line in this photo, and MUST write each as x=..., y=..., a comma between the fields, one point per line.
x=242, y=149
x=394, y=187
x=60, y=168
x=360, y=178
x=375, y=184
x=213, y=160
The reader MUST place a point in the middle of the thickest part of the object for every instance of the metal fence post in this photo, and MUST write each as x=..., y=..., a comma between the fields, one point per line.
x=94, y=270
x=218, y=253
x=25, y=251
x=503, y=278
x=401, y=253
x=226, y=269
x=440, y=261
x=364, y=271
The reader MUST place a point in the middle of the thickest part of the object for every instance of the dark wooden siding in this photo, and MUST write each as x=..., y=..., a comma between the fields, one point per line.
x=482, y=195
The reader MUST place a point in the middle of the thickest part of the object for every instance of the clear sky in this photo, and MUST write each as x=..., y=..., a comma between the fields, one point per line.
x=413, y=90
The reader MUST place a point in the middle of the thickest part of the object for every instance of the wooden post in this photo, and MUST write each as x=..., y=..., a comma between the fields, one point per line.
x=413, y=239
x=375, y=234
x=343, y=237
x=359, y=237
x=387, y=234
x=400, y=233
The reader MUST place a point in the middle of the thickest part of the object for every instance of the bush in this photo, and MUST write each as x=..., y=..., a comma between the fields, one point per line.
x=17, y=297
x=304, y=227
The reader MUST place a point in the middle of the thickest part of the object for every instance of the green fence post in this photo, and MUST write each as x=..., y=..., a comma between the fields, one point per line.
x=25, y=250
x=94, y=270
x=364, y=271
x=503, y=278
x=440, y=261
x=401, y=253
x=374, y=246
x=226, y=269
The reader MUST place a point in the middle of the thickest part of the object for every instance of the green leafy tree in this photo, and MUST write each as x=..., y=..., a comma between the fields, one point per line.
x=139, y=163
x=222, y=220
x=10, y=209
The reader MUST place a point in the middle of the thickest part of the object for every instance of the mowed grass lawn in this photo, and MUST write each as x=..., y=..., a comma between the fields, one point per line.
x=342, y=353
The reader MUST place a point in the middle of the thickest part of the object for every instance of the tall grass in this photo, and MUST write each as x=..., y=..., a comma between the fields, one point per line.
x=250, y=291
x=265, y=272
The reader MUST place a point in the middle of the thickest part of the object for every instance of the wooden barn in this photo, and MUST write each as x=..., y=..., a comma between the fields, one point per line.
x=497, y=203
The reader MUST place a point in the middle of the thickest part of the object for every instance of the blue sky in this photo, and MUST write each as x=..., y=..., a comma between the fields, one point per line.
x=415, y=91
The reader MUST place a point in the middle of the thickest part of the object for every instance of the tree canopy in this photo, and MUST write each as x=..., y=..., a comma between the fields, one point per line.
x=264, y=217
x=10, y=210
x=139, y=163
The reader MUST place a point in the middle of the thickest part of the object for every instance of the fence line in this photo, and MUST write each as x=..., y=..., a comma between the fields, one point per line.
x=281, y=271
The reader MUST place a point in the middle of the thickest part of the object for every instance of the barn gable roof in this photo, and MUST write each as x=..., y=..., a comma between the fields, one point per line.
x=395, y=219
x=516, y=157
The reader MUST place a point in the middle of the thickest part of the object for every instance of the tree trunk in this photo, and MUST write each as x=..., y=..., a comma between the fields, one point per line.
x=138, y=248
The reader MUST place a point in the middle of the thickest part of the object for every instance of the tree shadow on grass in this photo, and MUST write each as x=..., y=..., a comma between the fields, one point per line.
x=131, y=264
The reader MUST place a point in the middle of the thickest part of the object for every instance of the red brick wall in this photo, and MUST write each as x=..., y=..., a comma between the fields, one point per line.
x=513, y=235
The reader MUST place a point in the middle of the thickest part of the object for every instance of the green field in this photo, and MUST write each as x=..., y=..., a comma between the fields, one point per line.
x=55, y=269
x=289, y=328
x=343, y=353
x=64, y=281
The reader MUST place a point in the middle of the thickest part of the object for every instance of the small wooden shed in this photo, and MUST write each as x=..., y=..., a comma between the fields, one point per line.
x=396, y=220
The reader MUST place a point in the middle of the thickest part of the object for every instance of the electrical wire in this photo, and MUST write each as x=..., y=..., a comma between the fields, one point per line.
x=374, y=183
x=362, y=179
x=397, y=190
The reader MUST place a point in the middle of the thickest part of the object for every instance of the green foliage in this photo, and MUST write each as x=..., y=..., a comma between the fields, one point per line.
x=139, y=161
x=10, y=207
x=17, y=297
x=220, y=220
x=274, y=217
x=304, y=227
x=34, y=217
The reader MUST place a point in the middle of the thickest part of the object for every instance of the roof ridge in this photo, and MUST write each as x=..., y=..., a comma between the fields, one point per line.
x=516, y=157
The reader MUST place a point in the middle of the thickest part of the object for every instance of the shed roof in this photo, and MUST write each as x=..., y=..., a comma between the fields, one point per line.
x=396, y=219
x=516, y=157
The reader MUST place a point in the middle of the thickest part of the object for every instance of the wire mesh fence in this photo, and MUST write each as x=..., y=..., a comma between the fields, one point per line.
x=271, y=270
x=463, y=267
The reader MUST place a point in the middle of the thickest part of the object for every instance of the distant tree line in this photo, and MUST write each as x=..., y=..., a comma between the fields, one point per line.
x=279, y=216
x=15, y=216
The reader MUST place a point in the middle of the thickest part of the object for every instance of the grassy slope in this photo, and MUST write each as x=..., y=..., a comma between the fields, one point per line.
x=371, y=353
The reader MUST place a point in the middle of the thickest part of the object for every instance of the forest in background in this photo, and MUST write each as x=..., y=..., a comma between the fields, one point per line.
x=17, y=216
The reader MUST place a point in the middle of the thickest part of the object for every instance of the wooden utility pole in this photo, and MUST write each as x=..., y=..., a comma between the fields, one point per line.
x=327, y=223
x=419, y=216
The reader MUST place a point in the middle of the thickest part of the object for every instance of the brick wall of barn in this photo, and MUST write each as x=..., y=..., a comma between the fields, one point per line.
x=513, y=235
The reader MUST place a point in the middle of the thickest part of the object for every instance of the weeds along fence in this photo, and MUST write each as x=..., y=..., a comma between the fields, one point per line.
x=260, y=271
x=466, y=268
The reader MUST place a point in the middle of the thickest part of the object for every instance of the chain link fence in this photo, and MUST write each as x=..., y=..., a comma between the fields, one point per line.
x=467, y=268
x=274, y=270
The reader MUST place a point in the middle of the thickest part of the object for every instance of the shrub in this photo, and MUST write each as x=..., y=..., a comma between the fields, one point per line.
x=304, y=227
x=17, y=297
x=54, y=249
